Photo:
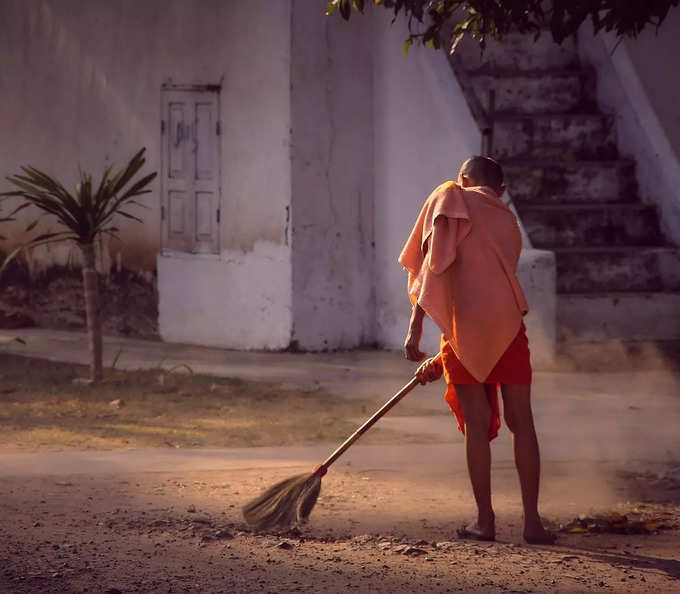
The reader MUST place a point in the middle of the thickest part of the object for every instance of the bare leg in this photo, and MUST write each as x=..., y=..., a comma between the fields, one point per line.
x=520, y=420
x=477, y=415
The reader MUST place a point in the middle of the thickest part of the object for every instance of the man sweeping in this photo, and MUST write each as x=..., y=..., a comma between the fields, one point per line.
x=461, y=259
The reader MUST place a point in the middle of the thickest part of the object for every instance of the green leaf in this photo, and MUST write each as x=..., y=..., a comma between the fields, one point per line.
x=136, y=189
x=48, y=195
x=19, y=209
x=407, y=44
x=45, y=236
x=85, y=214
x=40, y=179
x=139, y=204
x=47, y=203
x=456, y=41
x=127, y=215
x=129, y=172
x=13, y=254
x=103, y=182
x=495, y=18
x=345, y=7
x=138, y=186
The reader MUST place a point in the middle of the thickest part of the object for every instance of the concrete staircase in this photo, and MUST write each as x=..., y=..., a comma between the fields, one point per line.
x=618, y=279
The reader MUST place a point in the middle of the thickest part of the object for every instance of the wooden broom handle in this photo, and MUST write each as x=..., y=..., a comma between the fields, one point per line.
x=372, y=421
x=368, y=424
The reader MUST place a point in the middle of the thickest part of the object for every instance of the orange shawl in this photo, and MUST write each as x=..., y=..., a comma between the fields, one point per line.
x=462, y=259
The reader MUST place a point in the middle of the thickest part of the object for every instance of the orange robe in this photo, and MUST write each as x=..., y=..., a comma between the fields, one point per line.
x=462, y=257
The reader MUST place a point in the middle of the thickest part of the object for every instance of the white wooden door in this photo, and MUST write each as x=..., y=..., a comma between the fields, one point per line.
x=190, y=129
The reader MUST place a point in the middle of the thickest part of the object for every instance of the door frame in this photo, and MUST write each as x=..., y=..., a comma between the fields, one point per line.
x=164, y=215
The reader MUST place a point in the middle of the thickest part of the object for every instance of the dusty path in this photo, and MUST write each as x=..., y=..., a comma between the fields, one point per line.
x=378, y=526
x=167, y=519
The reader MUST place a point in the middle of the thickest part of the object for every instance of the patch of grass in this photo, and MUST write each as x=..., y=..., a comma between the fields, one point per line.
x=43, y=408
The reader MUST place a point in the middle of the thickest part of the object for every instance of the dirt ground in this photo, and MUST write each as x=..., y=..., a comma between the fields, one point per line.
x=170, y=532
x=375, y=528
x=47, y=408
x=55, y=300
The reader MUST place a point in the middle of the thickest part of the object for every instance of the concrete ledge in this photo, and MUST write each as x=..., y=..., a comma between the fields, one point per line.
x=641, y=133
x=619, y=316
x=536, y=273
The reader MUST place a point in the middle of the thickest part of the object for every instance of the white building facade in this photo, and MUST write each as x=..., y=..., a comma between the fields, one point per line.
x=294, y=152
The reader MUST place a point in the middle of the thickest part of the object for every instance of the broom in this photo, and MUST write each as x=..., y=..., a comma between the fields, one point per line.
x=291, y=501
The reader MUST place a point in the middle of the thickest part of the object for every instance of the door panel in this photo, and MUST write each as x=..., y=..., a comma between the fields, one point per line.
x=190, y=170
x=177, y=213
x=177, y=164
x=205, y=146
x=204, y=215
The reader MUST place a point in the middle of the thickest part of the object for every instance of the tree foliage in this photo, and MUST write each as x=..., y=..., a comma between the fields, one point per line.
x=89, y=212
x=83, y=216
x=446, y=22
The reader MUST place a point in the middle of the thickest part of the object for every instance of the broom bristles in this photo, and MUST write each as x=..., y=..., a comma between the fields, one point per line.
x=284, y=504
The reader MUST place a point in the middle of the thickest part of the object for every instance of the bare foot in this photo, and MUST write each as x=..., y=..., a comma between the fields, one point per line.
x=535, y=533
x=547, y=538
x=474, y=531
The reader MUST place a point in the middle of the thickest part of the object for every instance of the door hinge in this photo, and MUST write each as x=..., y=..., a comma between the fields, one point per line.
x=162, y=213
x=218, y=215
x=162, y=127
x=218, y=128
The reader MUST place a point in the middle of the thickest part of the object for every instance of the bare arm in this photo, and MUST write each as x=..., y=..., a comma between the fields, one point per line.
x=415, y=330
x=431, y=369
x=443, y=241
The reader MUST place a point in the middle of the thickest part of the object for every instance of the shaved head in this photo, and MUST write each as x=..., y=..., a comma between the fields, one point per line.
x=482, y=171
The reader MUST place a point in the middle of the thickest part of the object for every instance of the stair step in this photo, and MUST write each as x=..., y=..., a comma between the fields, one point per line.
x=582, y=270
x=568, y=199
x=617, y=280
x=608, y=225
x=559, y=91
x=554, y=136
x=619, y=316
x=518, y=52
x=570, y=181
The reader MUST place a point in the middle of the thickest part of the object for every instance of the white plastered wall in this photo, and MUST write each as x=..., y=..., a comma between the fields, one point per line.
x=332, y=180
x=242, y=297
x=235, y=300
x=80, y=84
x=423, y=131
x=638, y=84
x=375, y=131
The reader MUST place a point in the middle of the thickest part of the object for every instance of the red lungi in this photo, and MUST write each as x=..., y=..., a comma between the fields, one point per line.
x=514, y=367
